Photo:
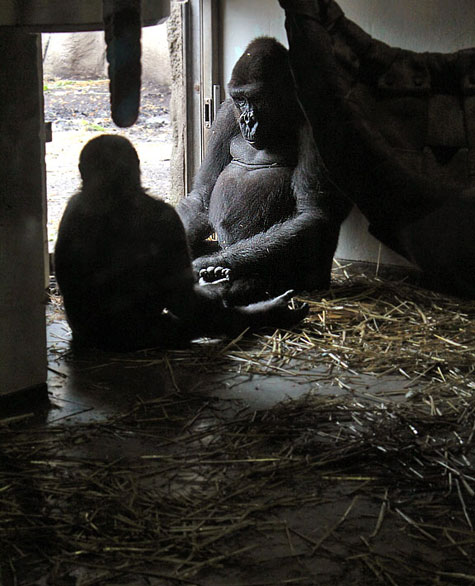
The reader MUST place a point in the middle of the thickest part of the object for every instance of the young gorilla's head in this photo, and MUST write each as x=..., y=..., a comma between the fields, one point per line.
x=109, y=160
x=263, y=90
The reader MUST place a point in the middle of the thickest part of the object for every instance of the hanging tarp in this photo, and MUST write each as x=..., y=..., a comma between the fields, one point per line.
x=396, y=131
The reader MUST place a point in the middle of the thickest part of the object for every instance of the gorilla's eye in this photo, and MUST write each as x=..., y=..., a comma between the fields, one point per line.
x=240, y=103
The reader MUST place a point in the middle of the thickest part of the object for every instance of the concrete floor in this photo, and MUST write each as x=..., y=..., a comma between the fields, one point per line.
x=94, y=387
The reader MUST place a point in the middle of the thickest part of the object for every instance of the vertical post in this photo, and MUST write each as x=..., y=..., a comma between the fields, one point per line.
x=192, y=72
x=22, y=214
x=178, y=41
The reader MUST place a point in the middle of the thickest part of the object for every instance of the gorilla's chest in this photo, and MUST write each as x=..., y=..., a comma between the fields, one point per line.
x=251, y=194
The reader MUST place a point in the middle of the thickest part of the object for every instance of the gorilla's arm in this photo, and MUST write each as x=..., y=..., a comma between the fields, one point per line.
x=305, y=243
x=201, y=310
x=193, y=209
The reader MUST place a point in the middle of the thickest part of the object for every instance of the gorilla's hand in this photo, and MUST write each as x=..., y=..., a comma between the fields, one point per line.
x=214, y=275
x=277, y=312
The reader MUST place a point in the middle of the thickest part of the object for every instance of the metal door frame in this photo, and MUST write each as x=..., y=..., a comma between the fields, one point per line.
x=202, y=78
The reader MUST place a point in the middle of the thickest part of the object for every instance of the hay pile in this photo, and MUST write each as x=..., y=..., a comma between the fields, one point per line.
x=376, y=327
x=354, y=489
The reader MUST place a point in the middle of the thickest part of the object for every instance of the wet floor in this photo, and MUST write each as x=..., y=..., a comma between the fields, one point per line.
x=92, y=387
x=172, y=468
x=95, y=385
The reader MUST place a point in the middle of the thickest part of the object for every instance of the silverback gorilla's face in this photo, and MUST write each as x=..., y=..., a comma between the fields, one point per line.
x=263, y=92
x=253, y=114
x=248, y=118
x=248, y=121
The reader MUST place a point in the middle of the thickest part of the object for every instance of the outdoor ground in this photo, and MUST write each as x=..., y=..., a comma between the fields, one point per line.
x=79, y=111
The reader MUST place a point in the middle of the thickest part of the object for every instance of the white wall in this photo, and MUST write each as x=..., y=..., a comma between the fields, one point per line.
x=244, y=20
x=419, y=25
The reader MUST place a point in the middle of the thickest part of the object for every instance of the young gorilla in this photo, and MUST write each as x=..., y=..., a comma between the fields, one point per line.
x=259, y=187
x=123, y=266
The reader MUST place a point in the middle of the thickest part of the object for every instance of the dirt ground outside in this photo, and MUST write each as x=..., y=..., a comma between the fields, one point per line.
x=80, y=111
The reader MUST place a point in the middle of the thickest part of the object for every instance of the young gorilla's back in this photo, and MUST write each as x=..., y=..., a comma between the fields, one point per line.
x=120, y=257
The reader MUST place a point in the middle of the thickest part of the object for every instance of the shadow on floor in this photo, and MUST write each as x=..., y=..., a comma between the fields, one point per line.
x=198, y=467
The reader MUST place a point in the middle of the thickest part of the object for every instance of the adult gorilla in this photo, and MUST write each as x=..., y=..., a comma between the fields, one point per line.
x=259, y=187
x=123, y=266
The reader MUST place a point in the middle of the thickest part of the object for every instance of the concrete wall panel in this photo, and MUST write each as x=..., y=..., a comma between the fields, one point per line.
x=22, y=215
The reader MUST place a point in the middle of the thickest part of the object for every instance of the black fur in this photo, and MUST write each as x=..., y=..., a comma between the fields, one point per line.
x=259, y=187
x=123, y=265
